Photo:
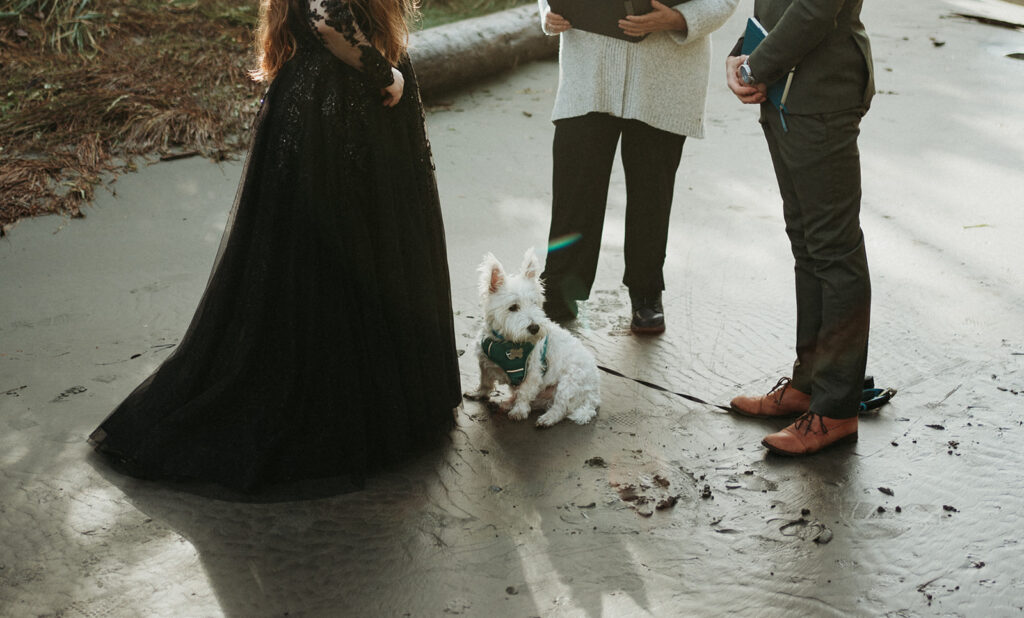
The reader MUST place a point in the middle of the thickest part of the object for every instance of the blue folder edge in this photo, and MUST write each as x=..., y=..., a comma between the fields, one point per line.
x=779, y=89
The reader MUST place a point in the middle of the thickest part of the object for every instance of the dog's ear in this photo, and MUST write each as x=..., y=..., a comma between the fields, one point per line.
x=497, y=278
x=531, y=264
x=492, y=275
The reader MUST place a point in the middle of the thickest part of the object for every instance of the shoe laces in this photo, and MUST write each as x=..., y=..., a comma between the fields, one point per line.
x=780, y=388
x=806, y=423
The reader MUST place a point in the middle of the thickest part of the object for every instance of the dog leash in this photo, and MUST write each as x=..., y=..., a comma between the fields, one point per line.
x=663, y=389
x=871, y=399
x=874, y=398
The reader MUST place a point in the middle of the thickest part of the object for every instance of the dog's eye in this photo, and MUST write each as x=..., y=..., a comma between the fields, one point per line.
x=514, y=308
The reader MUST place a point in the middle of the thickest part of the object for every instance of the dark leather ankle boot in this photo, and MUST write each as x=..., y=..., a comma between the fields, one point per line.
x=648, y=314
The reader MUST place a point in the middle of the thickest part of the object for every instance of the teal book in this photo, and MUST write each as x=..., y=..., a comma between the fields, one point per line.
x=778, y=91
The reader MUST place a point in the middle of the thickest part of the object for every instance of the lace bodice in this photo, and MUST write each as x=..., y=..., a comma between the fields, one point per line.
x=334, y=22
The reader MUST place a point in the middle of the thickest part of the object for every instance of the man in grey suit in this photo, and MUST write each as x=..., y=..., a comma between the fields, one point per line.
x=813, y=143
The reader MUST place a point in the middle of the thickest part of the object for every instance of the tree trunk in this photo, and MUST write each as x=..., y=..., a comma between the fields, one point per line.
x=459, y=53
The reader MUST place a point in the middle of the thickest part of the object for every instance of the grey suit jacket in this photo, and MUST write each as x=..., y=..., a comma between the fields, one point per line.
x=826, y=42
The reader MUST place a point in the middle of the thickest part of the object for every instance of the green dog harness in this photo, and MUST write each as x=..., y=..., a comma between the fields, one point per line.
x=512, y=356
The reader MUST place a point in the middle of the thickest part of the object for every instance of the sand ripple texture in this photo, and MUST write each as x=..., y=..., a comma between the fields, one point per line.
x=660, y=507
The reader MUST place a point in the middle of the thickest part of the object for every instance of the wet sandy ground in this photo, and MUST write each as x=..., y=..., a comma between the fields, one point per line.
x=922, y=517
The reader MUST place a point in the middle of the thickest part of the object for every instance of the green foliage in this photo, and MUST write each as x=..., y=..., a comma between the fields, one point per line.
x=71, y=25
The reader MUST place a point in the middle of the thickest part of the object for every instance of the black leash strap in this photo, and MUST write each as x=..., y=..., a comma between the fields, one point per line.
x=663, y=389
x=872, y=398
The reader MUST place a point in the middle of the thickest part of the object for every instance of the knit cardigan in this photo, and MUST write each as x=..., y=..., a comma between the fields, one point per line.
x=661, y=80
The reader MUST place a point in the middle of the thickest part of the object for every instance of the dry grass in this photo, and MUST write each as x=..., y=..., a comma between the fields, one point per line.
x=438, y=12
x=168, y=77
x=69, y=24
x=90, y=86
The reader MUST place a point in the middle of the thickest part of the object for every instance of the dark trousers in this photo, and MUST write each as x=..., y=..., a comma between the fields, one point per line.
x=584, y=148
x=817, y=165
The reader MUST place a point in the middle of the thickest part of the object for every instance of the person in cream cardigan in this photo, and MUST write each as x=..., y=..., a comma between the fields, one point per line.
x=652, y=94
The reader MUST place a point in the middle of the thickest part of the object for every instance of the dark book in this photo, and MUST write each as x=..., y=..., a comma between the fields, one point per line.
x=601, y=16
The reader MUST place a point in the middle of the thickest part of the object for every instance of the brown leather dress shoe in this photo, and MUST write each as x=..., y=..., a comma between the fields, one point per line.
x=782, y=400
x=811, y=433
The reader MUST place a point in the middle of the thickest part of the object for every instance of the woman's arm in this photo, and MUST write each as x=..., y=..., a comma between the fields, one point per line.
x=334, y=23
x=661, y=17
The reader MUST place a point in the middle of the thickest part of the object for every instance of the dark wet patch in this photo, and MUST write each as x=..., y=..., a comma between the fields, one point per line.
x=646, y=497
x=666, y=503
x=74, y=390
x=806, y=529
x=161, y=346
x=931, y=585
x=823, y=537
x=597, y=462
x=989, y=21
x=458, y=606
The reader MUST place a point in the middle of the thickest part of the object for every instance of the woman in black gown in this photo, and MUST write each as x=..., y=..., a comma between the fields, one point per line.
x=323, y=345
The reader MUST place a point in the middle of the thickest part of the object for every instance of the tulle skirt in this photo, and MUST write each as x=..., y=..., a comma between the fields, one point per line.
x=323, y=345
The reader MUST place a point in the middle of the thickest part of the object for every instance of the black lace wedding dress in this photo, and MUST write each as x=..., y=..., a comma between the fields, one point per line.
x=323, y=345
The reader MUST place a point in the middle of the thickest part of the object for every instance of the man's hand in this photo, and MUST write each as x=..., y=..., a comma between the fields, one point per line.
x=555, y=23
x=756, y=93
x=661, y=18
x=393, y=92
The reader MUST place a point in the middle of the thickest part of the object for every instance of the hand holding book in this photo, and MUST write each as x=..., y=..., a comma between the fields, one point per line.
x=750, y=94
x=555, y=23
x=744, y=83
x=778, y=91
x=661, y=17
x=631, y=20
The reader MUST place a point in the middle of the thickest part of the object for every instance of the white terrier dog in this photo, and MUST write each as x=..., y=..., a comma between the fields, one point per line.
x=544, y=365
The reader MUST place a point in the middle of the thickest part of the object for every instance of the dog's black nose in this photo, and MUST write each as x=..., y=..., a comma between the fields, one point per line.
x=533, y=328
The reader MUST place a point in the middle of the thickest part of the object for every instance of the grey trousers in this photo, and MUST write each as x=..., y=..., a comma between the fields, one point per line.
x=817, y=165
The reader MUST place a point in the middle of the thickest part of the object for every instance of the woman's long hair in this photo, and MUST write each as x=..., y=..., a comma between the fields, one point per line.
x=275, y=44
